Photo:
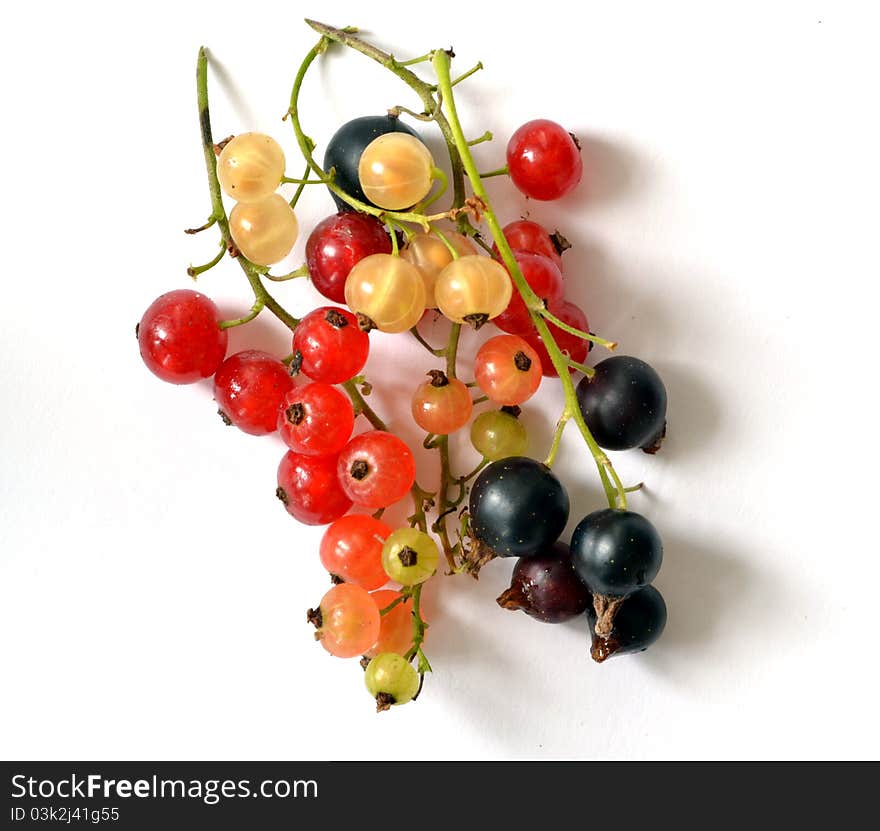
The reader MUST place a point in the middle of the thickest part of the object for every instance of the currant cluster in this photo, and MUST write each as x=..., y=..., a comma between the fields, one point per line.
x=384, y=261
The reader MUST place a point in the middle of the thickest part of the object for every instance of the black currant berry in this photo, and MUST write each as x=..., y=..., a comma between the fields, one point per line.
x=517, y=507
x=639, y=622
x=616, y=552
x=546, y=587
x=624, y=404
x=348, y=143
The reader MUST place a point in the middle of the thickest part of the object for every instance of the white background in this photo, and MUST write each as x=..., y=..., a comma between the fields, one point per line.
x=153, y=591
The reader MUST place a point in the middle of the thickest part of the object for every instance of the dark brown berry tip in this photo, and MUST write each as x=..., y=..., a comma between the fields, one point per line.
x=282, y=495
x=438, y=378
x=224, y=418
x=603, y=648
x=512, y=409
x=653, y=446
x=315, y=617
x=365, y=324
x=384, y=702
x=359, y=469
x=296, y=363
x=513, y=599
x=408, y=556
x=336, y=319
x=522, y=361
x=560, y=243
x=476, y=320
x=295, y=413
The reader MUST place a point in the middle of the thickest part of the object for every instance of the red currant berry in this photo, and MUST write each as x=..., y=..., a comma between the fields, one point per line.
x=544, y=160
x=179, y=339
x=249, y=388
x=571, y=345
x=507, y=370
x=441, y=405
x=351, y=549
x=376, y=469
x=309, y=488
x=337, y=244
x=526, y=235
x=545, y=280
x=328, y=346
x=316, y=419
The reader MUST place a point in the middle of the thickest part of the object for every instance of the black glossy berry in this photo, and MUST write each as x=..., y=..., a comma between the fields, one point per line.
x=639, y=622
x=616, y=552
x=624, y=404
x=348, y=143
x=546, y=587
x=517, y=507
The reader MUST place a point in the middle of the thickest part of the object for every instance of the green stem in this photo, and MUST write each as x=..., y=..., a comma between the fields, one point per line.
x=487, y=136
x=194, y=271
x=301, y=188
x=610, y=345
x=587, y=370
x=557, y=438
x=467, y=74
x=255, y=310
x=501, y=171
x=437, y=353
x=302, y=271
x=610, y=481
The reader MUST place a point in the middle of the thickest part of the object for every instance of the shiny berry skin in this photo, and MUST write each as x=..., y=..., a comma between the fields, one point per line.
x=249, y=388
x=545, y=280
x=544, y=160
x=348, y=143
x=179, y=339
x=525, y=235
x=347, y=621
x=616, y=552
x=308, y=487
x=338, y=244
x=395, y=171
x=496, y=434
x=391, y=680
x=386, y=292
x=351, y=549
x=507, y=370
x=517, y=507
x=410, y=556
x=250, y=167
x=571, y=345
x=316, y=419
x=328, y=346
x=264, y=231
x=376, y=469
x=546, y=587
x=396, y=632
x=624, y=404
x=638, y=623
x=430, y=255
x=472, y=290
x=441, y=405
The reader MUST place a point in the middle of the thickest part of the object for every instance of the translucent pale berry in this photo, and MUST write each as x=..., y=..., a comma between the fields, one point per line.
x=391, y=680
x=507, y=370
x=395, y=171
x=525, y=235
x=442, y=405
x=430, y=255
x=264, y=231
x=249, y=387
x=351, y=549
x=250, y=167
x=376, y=469
x=386, y=292
x=308, y=487
x=545, y=280
x=179, y=339
x=328, y=346
x=316, y=419
x=347, y=621
x=396, y=632
x=497, y=435
x=473, y=290
x=410, y=556
x=544, y=160
x=339, y=243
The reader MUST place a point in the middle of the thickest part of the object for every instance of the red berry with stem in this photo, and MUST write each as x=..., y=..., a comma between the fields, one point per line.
x=347, y=621
x=351, y=549
x=309, y=488
x=328, y=346
x=544, y=160
x=396, y=629
x=249, y=388
x=571, y=345
x=316, y=419
x=441, y=405
x=507, y=370
x=337, y=244
x=526, y=235
x=179, y=339
x=545, y=280
x=376, y=469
